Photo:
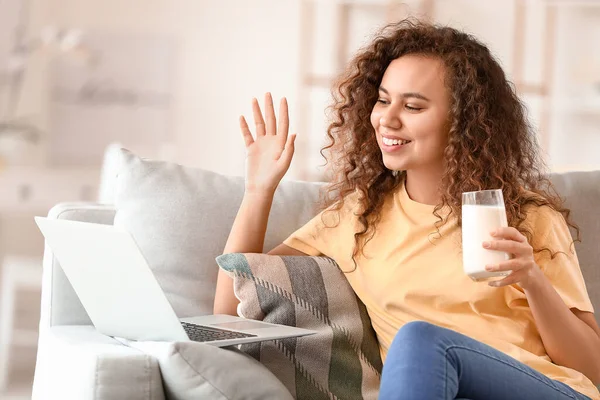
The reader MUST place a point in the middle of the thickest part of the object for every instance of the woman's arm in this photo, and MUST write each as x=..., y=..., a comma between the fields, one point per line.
x=269, y=155
x=247, y=236
x=570, y=336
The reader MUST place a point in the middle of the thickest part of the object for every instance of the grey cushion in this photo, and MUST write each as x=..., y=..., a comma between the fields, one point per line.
x=582, y=193
x=181, y=217
x=192, y=371
x=342, y=360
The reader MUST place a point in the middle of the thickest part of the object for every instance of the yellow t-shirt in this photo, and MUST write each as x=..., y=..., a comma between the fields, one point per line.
x=410, y=273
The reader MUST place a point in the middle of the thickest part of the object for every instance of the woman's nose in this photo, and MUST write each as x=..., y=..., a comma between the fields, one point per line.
x=391, y=122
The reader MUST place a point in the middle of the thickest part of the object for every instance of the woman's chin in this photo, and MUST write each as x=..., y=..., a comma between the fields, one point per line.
x=394, y=166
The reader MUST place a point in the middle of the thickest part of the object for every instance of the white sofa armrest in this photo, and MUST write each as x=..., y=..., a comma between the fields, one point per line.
x=77, y=362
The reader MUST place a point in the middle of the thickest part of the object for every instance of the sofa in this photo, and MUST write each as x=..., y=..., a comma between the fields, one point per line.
x=76, y=362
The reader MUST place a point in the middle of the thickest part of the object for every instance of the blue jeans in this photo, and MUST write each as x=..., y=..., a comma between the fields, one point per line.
x=427, y=362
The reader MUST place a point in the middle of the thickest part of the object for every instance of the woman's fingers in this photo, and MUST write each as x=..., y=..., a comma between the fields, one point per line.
x=509, y=233
x=284, y=122
x=268, y=125
x=258, y=118
x=514, y=277
x=288, y=151
x=270, y=115
x=509, y=246
x=248, y=139
x=510, y=265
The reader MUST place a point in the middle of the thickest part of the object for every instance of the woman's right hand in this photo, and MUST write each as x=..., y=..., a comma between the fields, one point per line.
x=268, y=156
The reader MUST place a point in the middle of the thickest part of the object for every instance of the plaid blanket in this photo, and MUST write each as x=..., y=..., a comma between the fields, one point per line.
x=341, y=361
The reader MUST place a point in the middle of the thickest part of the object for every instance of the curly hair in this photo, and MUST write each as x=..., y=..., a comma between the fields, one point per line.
x=490, y=142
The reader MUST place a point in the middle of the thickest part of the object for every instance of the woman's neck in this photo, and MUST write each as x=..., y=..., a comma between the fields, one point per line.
x=424, y=187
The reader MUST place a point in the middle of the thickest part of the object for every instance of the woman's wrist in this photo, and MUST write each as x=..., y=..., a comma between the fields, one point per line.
x=534, y=281
x=256, y=193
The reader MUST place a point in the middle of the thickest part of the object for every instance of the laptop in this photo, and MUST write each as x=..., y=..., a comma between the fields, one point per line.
x=123, y=298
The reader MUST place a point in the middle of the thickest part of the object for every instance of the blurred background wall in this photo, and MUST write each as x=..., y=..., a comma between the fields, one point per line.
x=169, y=79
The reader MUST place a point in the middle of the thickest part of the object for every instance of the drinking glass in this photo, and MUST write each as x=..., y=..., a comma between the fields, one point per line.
x=482, y=212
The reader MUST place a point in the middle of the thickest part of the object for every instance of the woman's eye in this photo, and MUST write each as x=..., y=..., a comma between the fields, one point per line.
x=382, y=101
x=413, y=108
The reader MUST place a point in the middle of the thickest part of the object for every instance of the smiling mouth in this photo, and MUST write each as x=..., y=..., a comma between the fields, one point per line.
x=394, y=142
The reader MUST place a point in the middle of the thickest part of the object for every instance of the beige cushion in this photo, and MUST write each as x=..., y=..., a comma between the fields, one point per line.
x=181, y=217
x=342, y=359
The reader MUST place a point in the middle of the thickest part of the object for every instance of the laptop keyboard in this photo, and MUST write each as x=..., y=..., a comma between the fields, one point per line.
x=199, y=333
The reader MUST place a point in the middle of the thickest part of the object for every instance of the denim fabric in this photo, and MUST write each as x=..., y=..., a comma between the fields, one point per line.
x=427, y=362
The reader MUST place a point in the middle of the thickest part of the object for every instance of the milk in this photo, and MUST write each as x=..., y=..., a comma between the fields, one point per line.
x=477, y=223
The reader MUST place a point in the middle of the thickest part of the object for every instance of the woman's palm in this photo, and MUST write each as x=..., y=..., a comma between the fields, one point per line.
x=269, y=154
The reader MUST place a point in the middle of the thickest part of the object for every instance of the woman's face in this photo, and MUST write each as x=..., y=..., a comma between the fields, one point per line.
x=411, y=114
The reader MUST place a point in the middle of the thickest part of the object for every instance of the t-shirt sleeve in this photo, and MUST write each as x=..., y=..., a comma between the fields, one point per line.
x=306, y=238
x=563, y=271
x=329, y=233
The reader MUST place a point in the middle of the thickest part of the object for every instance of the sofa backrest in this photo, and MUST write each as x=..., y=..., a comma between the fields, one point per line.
x=581, y=191
x=61, y=306
x=293, y=205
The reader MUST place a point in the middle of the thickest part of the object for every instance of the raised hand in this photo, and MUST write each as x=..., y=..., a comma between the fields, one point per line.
x=269, y=153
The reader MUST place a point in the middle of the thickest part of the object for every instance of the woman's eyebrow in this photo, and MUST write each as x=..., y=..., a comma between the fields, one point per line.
x=415, y=95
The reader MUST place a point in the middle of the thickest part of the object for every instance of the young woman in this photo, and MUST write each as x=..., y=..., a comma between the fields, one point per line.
x=421, y=115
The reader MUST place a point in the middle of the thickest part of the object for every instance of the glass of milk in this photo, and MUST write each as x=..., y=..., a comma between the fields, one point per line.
x=482, y=212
